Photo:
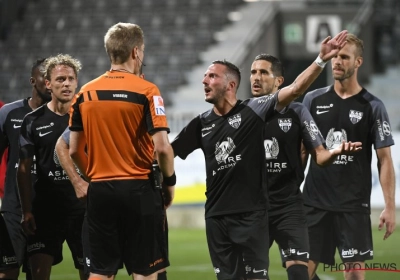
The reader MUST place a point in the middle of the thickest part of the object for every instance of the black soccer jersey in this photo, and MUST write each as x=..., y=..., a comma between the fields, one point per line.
x=233, y=146
x=283, y=135
x=11, y=116
x=39, y=133
x=346, y=184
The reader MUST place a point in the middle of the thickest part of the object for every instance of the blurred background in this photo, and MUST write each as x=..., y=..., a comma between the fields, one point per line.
x=182, y=38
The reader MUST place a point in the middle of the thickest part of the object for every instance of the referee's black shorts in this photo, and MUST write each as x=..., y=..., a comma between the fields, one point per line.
x=126, y=223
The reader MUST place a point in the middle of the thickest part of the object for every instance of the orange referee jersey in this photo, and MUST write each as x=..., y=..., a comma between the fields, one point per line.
x=118, y=112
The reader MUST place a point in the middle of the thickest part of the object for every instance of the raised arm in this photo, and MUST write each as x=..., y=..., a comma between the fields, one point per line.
x=387, y=180
x=329, y=48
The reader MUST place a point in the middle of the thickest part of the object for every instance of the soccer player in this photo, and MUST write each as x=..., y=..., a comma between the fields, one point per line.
x=338, y=196
x=54, y=214
x=230, y=136
x=283, y=136
x=11, y=116
x=121, y=120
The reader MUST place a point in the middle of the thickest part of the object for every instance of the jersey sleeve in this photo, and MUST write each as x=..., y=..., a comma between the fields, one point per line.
x=66, y=135
x=264, y=106
x=155, y=115
x=307, y=101
x=75, y=117
x=381, y=130
x=311, y=134
x=26, y=141
x=188, y=139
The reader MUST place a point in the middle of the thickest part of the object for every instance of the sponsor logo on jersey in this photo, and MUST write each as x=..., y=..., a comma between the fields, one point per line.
x=322, y=112
x=235, y=120
x=45, y=126
x=223, y=157
x=120, y=95
x=159, y=105
x=386, y=128
x=312, y=129
x=249, y=269
x=325, y=106
x=17, y=121
x=265, y=98
x=355, y=116
x=271, y=148
x=44, y=133
x=383, y=129
x=224, y=149
x=285, y=124
x=333, y=140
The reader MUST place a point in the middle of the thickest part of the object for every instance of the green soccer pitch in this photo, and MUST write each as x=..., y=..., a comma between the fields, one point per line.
x=190, y=261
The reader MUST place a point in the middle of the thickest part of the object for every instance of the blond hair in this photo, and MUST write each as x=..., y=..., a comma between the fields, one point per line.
x=354, y=40
x=61, y=59
x=120, y=40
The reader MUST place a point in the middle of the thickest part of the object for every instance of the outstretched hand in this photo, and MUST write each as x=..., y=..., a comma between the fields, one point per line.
x=349, y=147
x=330, y=47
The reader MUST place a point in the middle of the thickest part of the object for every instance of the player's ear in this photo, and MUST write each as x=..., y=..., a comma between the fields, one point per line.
x=279, y=81
x=359, y=61
x=48, y=85
x=32, y=81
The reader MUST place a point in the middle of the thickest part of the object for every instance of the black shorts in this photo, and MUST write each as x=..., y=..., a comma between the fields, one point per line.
x=349, y=232
x=51, y=234
x=289, y=230
x=8, y=258
x=126, y=223
x=238, y=245
x=15, y=234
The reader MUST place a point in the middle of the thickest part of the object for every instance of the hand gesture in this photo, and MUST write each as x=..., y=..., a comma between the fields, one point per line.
x=347, y=148
x=331, y=47
x=28, y=223
x=81, y=188
x=387, y=218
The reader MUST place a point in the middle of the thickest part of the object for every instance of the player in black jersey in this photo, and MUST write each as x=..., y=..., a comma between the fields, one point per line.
x=283, y=137
x=11, y=116
x=54, y=214
x=338, y=196
x=231, y=137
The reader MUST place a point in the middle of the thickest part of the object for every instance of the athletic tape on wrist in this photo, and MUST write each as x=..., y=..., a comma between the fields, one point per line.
x=320, y=62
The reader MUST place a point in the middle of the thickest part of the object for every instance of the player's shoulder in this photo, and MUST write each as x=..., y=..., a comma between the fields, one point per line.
x=368, y=96
x=9, y=107
x=318, y=92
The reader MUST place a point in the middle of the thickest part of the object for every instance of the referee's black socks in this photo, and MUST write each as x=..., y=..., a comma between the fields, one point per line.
x=162, y=275
x=297, y=272
x=316, y=277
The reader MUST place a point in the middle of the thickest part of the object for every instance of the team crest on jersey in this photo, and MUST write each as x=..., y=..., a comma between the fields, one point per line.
x=285, y=124
x=224, y=149
x=335, y=138
x=271, y=148
x=235, y=120
x=355, y=116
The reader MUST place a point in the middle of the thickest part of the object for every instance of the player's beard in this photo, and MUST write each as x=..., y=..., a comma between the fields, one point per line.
x=219, y=95
x=347, y=74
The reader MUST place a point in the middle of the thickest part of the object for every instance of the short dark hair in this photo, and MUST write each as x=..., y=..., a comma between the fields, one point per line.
x=36, y=64
x=276, y=64
x=232, y=70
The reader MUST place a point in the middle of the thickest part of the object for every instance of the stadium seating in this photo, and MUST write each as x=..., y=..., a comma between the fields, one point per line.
x=176, y=32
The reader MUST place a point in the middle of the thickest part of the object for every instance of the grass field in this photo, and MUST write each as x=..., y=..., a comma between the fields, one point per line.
x=190, y=260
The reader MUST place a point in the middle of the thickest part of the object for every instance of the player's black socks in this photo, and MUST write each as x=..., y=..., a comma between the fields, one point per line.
x=316, y=277
x=162, y=275
x=297, y=272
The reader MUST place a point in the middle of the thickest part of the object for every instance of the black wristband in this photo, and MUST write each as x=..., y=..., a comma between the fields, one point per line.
x=170, y=181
